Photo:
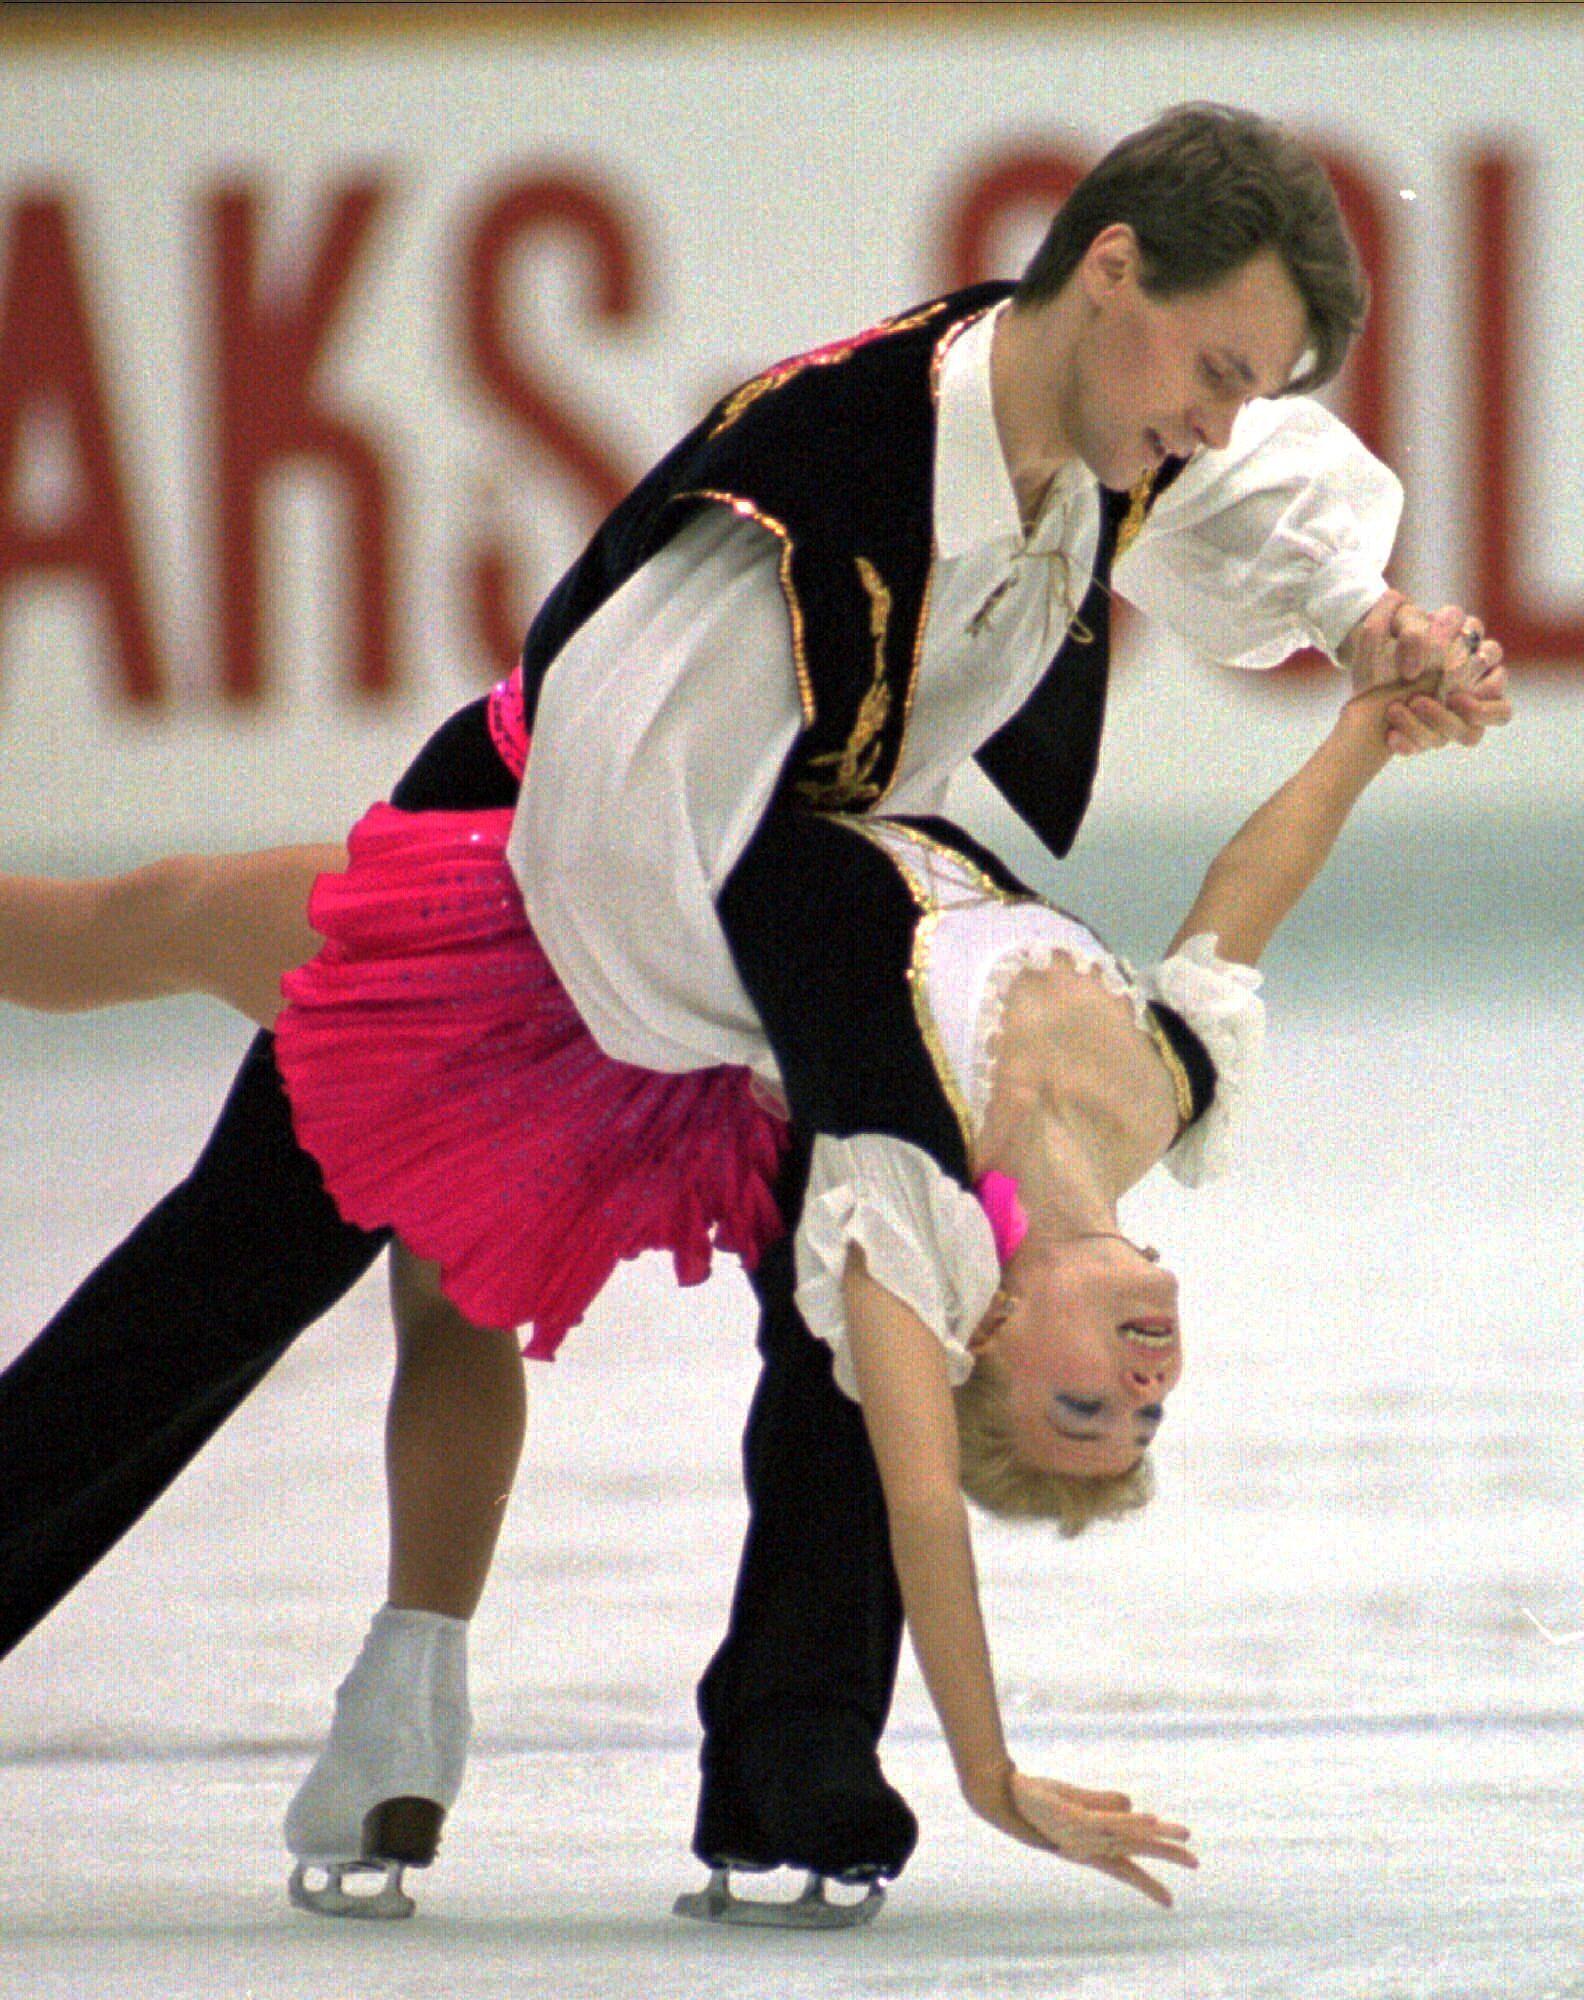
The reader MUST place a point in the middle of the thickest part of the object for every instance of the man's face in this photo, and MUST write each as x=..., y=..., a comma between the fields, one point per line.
x=1156, y=378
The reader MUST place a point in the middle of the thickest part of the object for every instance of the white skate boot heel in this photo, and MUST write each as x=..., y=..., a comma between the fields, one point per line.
x=397, y=1835
x=376, y=1800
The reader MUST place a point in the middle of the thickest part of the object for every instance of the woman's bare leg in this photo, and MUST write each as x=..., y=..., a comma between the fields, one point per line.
x=453, y=1437
x=396, y=1755
x=225, y=924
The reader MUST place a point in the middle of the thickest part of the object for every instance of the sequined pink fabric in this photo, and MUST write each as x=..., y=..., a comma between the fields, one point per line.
x=508, y=722
x=441, y=1077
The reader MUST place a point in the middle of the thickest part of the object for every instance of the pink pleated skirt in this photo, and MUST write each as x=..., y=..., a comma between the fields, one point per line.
x=442, y=1079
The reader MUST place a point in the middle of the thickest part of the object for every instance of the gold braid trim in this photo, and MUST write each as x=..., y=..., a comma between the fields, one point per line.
x=943, y=347
x=919, y=963
x=1140, y=498
x=1182, y=1088
x=776, y=377
x=746, y=510
x=852, y=777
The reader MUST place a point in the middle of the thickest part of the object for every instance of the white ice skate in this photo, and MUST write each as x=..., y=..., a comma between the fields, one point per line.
x=375, y=1801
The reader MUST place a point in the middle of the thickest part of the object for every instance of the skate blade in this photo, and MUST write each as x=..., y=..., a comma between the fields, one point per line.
x=716, y=1903
x=329, y=1896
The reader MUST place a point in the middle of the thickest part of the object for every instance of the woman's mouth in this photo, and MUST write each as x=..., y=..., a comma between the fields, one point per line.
x=1152, y=1332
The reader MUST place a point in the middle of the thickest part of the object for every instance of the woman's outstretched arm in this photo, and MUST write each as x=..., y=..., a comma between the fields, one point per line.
x=909, y=1415
x=228, y=925
x=1259, y=876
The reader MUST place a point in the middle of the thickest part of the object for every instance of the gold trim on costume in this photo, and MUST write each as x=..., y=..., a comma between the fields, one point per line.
x=851, y=781
x=886, y=835
x=948, y=341
x=916, y=666
x=943, y=347
x=1140, y=497
x=747, y=511
x=884, y=831
x=781, y=372
x=1182, y=1086
x=929, y=1028
x=918, y=978
x=852, y=768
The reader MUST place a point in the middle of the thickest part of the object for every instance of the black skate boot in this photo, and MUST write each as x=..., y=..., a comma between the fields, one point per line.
x=804, y=1790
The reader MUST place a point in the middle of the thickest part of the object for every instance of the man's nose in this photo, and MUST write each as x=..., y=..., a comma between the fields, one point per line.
x=1212, y=425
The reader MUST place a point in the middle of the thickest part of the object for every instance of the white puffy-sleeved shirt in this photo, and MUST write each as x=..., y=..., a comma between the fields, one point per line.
x=663, y=726
x=924, y=1236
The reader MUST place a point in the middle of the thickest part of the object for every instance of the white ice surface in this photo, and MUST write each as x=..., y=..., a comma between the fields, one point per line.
x=1314, y=1648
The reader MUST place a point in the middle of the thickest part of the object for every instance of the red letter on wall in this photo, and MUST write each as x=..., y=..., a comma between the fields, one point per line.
x=1501, y=397
x=1365, y=403
x=588, y=214
x=1037, y=180
x=268, y=410
x=48, y=363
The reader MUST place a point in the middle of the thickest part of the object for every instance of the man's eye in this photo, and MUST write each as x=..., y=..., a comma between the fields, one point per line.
x=1080, y=1406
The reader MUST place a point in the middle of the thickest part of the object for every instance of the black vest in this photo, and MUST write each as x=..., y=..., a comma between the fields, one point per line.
x=833, y=452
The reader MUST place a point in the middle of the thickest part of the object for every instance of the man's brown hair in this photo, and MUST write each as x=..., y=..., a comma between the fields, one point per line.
x=1204, y=189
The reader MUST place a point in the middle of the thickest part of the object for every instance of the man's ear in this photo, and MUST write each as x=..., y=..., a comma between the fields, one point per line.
x=1111, y=262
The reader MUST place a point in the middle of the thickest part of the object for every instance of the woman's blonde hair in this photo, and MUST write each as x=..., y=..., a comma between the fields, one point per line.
x=994, y=1477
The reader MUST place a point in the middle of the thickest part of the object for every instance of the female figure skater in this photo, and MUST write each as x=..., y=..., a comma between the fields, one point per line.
x=976, y=1081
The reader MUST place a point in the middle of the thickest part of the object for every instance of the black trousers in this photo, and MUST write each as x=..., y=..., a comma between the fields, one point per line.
x=816, y=1617
x=179, y=1324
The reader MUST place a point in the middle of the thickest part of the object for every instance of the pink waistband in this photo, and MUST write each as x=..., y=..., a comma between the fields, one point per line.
x=508, y=722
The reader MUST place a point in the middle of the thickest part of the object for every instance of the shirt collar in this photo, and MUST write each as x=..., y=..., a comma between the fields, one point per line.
x=974, y=498
x=975, y=501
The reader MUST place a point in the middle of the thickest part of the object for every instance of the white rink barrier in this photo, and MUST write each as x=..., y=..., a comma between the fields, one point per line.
x=322, y=350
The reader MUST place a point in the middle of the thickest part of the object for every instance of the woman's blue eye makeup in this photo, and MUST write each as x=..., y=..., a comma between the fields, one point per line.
x=1088, y=1410
x=1078, y=1406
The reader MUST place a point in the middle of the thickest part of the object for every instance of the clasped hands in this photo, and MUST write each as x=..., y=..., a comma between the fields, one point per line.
x=1464, y=684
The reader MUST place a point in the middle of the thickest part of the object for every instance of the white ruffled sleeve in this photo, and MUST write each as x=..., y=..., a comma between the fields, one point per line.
x=1276, y=543
x=1220, y=1002
x=923, y=1237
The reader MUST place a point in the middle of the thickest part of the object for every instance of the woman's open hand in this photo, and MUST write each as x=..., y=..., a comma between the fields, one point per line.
x=1095, y=1829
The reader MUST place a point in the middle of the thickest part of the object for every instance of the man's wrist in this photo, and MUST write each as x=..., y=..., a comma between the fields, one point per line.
x=1361, y=618
x=1367, y=652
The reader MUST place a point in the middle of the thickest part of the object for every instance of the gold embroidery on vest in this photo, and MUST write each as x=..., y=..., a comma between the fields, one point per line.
x=852, y=775
x=943, y=347
x=776, y=377
x=1139, y=498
